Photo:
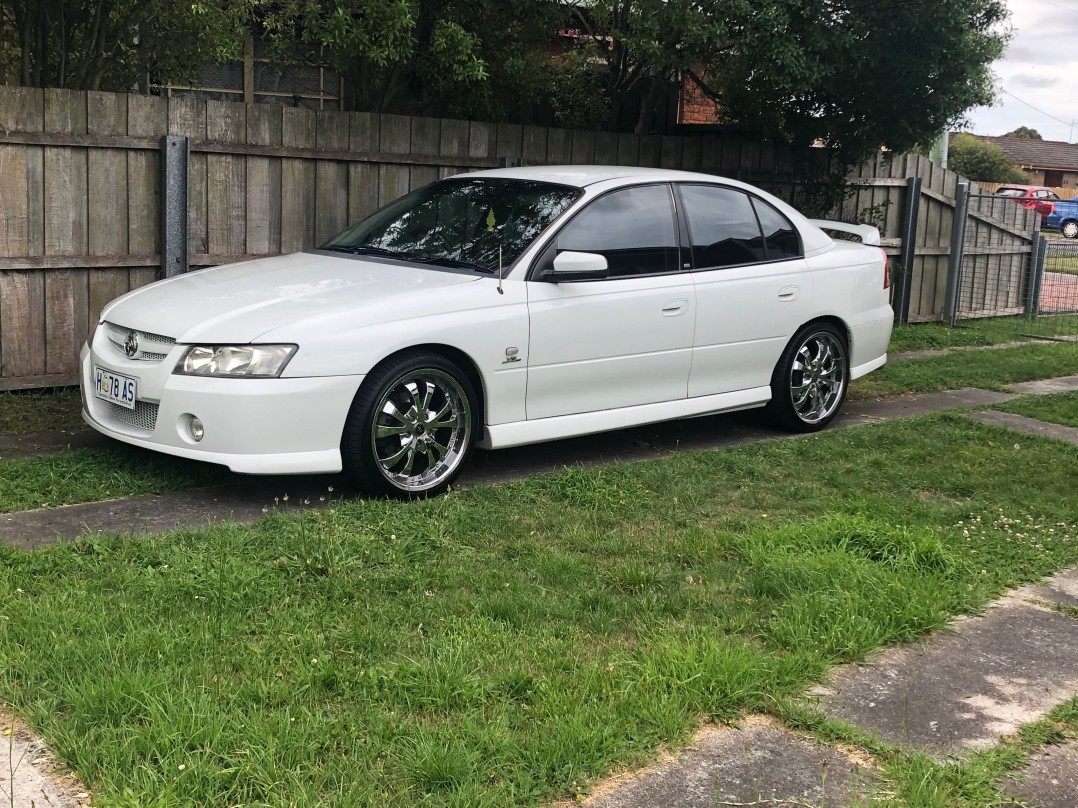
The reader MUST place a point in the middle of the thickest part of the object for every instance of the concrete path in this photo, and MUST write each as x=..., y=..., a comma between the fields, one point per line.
x=28, y=775
x=958, y=690
x=1050, y=780
x=964, y=688
x=1031, y=426
x=755, y=763
x=250, y=497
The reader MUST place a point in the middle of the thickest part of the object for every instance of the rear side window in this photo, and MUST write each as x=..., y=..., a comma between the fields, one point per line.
x=780, y=237
x=633, y=228
x=723, y=227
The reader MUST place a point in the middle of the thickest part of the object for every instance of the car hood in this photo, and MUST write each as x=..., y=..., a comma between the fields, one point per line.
x=241, y=302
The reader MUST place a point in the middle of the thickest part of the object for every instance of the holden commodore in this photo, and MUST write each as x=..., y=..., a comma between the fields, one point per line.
x=495, y=309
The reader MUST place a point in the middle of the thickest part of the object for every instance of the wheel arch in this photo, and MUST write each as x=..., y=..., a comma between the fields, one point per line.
x=833, y=320
x=461, y=360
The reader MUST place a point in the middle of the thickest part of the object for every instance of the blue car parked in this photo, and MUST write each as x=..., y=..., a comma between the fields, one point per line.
x=1064, y=218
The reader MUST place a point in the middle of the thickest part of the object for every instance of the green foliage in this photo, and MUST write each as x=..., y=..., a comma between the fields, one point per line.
x=475, y=59
x=576, y=91
x=860, y=75
x=1025, y=131
x=114, y=44
x=982, y=161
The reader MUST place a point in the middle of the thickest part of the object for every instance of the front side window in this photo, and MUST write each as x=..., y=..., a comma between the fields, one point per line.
x=633, y=228
x=469, y=223
x=723, y=227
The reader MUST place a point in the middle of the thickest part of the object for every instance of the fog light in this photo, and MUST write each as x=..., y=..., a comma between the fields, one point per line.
x=195, y=429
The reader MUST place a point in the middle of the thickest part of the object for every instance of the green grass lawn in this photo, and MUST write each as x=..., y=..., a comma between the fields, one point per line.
x=937, y=336
x=507, y=645
x=91, y=475
x=1060, y=408
x=27, y=411
x=991, y=370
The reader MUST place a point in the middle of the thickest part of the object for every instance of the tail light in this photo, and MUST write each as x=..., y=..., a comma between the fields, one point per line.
x=886, y=271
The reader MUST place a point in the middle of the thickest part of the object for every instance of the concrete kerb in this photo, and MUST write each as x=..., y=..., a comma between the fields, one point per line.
x=29, y=775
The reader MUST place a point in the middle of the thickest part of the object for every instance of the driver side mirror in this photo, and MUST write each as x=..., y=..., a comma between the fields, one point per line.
x=577, y=266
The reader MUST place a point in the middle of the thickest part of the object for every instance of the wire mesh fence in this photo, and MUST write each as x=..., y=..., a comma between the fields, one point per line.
x=1012, y=280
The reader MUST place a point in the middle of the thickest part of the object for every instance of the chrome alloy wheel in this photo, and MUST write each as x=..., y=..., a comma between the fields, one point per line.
x=818, y=377
x=1070, y=229
x=421, y=430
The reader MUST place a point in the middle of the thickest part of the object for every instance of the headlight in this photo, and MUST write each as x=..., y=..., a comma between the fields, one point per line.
x=237, y=361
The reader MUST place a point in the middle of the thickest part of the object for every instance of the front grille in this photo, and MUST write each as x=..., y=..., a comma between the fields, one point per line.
x=153, y=347
x=144, y=416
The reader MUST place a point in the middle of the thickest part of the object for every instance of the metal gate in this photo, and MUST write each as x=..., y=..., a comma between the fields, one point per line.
x=1006, y=274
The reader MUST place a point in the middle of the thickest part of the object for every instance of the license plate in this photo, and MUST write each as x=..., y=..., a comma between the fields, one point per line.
x=115, y=387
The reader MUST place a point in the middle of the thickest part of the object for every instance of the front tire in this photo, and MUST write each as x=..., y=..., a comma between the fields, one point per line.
x=809, y=383
x=1069, y=229
x=410, y=428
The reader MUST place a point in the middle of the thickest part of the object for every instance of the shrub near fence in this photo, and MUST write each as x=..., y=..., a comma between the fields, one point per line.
x=81, y=191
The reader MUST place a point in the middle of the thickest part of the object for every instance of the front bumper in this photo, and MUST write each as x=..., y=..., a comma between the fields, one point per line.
x=253, y=426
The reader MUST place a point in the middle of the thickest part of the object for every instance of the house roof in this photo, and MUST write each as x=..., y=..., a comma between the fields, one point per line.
x=1031, y=153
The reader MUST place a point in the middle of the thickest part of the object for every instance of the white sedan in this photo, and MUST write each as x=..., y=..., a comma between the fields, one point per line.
x=495, y=309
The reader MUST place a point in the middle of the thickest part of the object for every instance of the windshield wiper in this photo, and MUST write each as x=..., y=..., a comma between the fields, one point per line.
x=371, y=249
x=454, y=263
x=366, y=249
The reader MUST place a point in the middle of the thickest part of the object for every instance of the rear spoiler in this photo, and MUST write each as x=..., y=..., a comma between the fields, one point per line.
x=866, y=232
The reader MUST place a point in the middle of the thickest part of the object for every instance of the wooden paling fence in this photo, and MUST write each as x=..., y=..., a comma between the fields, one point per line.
x=81, y=193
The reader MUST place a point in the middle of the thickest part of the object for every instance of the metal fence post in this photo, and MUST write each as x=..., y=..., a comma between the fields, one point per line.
x=954, y=263
x=904, y=282
x=175, y=154
x=1038, y=260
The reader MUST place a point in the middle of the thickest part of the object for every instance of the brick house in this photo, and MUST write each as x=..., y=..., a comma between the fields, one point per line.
x=1048, y=162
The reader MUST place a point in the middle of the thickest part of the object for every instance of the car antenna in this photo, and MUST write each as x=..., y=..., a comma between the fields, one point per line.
x=500, y=290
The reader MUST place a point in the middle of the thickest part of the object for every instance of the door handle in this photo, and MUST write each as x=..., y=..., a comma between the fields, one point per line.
x=675, y=307
x=788, y=293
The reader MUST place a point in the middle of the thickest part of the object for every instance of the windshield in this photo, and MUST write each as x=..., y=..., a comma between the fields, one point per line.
x=1010, y=192
x=480, y=223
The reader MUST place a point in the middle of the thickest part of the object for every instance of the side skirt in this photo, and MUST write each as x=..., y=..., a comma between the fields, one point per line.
x=519, y=433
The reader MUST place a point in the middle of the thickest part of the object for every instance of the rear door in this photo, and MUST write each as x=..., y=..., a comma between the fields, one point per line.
x=753, y=288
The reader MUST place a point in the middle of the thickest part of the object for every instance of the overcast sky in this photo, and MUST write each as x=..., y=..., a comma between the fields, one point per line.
x=1041, y=69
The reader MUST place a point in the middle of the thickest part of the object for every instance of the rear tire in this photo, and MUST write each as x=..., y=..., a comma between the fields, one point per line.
x=810, y=380
x=409, y=431
x=1069, y=228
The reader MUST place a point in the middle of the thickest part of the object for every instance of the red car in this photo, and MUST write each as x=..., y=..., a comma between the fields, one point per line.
x=1034, y=197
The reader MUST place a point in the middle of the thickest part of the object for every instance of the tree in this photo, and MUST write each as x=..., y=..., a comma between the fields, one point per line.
x=861, y=74
x=982, y=161
x=1026, y=132
x=112, y=44
x=465, y=57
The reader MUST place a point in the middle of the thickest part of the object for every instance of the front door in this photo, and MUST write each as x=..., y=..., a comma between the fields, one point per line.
x=622, y=341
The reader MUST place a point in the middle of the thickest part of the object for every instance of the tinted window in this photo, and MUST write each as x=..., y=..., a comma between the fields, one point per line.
x=633, y=228
x=779, y=235
x=723, y=227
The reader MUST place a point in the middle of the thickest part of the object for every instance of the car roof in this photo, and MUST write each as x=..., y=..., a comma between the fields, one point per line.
x=582, y=176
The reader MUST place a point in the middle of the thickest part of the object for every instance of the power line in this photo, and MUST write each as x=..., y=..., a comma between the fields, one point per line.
x=1056, y=5
x=1036, y=109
